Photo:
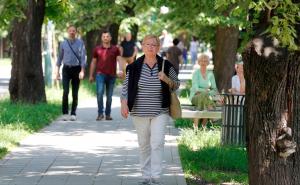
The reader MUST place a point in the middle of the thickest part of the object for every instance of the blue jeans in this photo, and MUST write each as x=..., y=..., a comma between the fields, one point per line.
x=108, y=82
x=194, y=57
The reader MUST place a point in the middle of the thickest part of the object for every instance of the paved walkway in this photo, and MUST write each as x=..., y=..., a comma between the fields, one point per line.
x=4, y=80
x=86, y=152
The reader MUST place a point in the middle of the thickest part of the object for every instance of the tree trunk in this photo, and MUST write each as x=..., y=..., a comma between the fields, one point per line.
x=92, y=39
x=134, y=31
x=114, y=30
x=273, y=88
x=27, y=82
x=225, y=55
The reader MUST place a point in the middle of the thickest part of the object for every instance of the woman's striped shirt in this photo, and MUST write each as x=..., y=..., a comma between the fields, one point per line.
x=149, y=94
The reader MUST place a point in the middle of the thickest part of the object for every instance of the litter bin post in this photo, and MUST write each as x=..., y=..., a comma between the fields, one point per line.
x=233, y=125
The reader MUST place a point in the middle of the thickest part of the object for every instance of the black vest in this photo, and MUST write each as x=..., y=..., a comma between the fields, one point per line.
x=134, y=76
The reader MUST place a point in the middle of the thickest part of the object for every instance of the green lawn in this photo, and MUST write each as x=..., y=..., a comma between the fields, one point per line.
x=204, y=159
x=19, y=120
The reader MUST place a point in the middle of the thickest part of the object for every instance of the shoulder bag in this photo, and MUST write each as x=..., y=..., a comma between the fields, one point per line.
x=175, y=107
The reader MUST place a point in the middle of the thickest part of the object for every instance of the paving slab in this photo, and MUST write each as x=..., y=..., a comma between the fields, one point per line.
x=86, y=152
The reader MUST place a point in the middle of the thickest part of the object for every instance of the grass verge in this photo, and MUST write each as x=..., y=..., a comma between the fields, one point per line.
x=19, y=120
x=205, y=160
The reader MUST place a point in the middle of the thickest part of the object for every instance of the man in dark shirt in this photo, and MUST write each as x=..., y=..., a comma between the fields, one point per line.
x=104, y=62
x=174, y=55
x=128, y=50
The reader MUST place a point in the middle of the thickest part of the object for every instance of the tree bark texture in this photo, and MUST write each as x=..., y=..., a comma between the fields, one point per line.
x=272, y=88
x=92, y=39
x=27, y=82
x=225, y=56
x=114, y=30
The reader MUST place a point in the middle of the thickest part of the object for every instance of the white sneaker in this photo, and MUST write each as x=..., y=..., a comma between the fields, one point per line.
x=73, y=118
x=65, y=117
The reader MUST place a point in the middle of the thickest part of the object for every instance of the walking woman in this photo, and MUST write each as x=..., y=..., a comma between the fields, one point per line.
x=146, y=95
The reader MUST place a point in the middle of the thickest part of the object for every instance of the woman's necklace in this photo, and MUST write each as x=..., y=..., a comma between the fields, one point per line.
x=151, y=64
x=151, y=68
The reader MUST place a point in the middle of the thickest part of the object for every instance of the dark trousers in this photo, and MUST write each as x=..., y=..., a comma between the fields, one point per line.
x=70, y=74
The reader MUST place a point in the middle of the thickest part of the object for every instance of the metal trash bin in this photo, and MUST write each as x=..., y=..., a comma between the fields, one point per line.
x=233, y=124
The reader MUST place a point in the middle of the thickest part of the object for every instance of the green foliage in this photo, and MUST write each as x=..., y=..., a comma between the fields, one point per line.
x=56, y=8
x=9, y=10
x=283, y=18
x=185, y=92
x=203, y=157
x=19, y=120
x=93, y=14
x=14, y=9
x=183, y=123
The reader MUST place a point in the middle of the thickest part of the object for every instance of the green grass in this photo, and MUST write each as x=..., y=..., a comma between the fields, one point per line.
x=203, y=157
x=19, y=120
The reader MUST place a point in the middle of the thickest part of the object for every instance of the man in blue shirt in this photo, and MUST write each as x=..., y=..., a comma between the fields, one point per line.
x=72, y=55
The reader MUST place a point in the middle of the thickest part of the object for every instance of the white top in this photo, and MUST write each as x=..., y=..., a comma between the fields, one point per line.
x=194, y=46
x=235, y=83
x=167, y=41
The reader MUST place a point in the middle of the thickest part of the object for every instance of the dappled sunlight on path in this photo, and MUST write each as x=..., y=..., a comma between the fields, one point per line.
x=86, y=152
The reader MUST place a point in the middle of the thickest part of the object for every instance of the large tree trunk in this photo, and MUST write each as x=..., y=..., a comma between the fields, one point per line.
x=92, y=39
x=114, y=30
x=134, y=31
x=272, y=89
x=225, y=55
x=27, y=82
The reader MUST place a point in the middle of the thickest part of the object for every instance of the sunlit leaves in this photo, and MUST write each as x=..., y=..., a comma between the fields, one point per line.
x=9, y=10
x=56, y=8
x=285, y=16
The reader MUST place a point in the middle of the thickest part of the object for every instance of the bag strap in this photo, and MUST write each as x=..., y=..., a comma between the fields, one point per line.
x=74, y=52
x=162, y=69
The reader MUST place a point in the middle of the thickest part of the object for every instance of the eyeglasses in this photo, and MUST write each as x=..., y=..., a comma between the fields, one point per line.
x=150, y=45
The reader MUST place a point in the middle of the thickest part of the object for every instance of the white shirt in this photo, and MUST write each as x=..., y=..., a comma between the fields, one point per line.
x=194, y=46
x=235, y=83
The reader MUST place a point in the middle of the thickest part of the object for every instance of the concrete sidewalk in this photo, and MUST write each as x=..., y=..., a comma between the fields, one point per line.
x=86, y=152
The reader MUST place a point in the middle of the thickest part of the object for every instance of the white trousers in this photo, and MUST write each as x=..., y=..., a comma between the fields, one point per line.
x=151, y=139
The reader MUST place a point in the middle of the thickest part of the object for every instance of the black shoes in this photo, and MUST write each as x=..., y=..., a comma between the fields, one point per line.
x=101, y=117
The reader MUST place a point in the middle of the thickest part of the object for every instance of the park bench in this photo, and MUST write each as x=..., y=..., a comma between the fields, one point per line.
x=189, y=111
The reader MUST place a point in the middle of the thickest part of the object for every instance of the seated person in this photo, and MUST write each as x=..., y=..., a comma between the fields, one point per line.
x=238, y=80
x=203, y=88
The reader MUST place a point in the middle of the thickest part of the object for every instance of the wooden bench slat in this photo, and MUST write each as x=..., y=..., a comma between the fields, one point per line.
x=201, y=114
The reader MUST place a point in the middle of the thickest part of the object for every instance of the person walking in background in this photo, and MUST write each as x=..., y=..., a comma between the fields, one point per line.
x=203, y=88
x=238, y=81
x=174, y=55
x=194, y=44
x=183, y=49
x=128, y=50
x=165, y=42
x=146, y=95
x=72, y=55
x=104, y=62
